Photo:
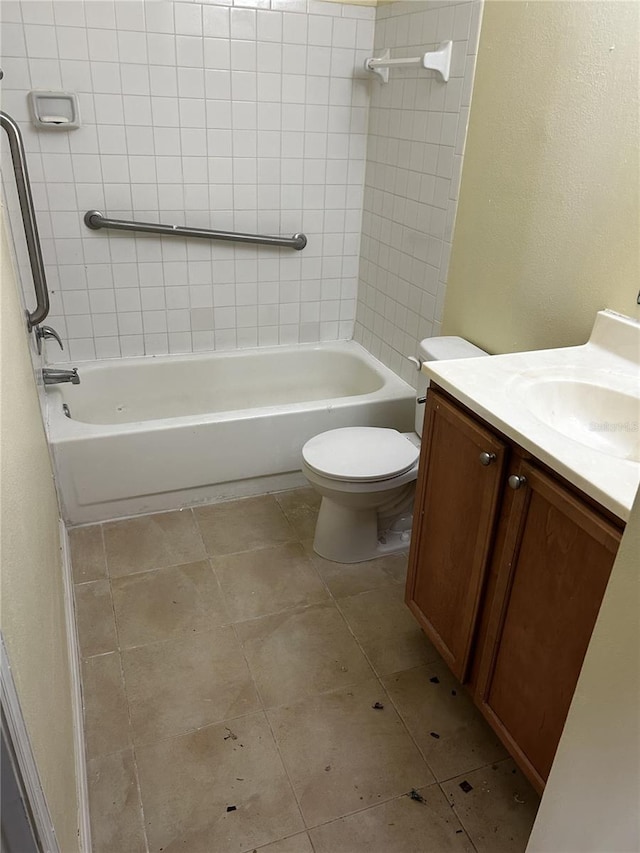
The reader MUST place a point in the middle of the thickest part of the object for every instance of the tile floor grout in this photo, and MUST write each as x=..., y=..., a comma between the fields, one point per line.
x=377, y=677
x=374, y=672
x=130, y=726
x=262, y=703
x=264, y=708
x=132, y=745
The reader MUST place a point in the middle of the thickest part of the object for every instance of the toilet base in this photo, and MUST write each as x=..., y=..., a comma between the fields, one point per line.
x=348, y=535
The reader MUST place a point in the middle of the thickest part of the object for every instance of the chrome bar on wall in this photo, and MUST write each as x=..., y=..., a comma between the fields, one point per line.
x=94, y=219
x=21, y=173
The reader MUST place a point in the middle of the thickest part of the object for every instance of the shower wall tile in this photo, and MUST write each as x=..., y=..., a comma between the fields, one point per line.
x=417, y=131
x=244, y=117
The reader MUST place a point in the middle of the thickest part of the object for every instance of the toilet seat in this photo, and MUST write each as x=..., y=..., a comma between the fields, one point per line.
x=360, y=454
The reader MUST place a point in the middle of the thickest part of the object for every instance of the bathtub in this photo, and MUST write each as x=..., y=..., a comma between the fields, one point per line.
x=159, y=433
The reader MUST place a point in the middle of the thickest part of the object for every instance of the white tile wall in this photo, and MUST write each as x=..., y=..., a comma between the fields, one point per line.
x=249, y=117
x=417, y=131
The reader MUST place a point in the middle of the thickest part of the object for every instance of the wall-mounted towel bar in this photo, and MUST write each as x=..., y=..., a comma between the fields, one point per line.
x=435, y=60
x=96, y=220
x=19, y=160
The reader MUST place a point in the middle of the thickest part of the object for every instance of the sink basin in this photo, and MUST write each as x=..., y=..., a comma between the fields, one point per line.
x=576, y=409
x=603, y=415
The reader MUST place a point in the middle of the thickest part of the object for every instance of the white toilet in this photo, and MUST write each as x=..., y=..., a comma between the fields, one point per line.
x=367, y=475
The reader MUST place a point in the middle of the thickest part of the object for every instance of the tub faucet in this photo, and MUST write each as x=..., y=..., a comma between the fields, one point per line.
x=52, y=376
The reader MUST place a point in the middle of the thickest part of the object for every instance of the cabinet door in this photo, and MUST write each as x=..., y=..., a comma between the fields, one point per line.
x=552, y=573
x=456, y=506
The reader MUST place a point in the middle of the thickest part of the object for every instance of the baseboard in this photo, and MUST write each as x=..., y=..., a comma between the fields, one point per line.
x=21, y=744
x=75, y=667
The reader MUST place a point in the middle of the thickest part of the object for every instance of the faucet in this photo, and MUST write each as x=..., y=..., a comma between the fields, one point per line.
x=45, y=333
x=53, y=375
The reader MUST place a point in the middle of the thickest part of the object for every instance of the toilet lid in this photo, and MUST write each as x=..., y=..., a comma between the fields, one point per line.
x=360, y=453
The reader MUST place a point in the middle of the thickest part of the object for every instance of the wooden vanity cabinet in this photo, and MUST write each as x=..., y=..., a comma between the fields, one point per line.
x=456, y=506
x=551, y=576
x=507, y=570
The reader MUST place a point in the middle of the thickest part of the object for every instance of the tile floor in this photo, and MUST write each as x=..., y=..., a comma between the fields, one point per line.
x=229, y=681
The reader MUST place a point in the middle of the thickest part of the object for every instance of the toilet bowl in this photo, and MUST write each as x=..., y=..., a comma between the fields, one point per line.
x=366, y=475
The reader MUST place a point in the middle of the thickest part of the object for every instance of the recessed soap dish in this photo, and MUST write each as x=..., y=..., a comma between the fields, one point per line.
x=54, y=110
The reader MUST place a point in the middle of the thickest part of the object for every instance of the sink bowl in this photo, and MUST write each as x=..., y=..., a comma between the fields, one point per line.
x=603, y=415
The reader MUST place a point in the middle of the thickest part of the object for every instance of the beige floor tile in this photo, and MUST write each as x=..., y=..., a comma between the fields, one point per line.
x=152, y=542
x=398, y=826
x=163, y=603
x=499, y=812
x=298, y=653
x=189, y=782
x=466, y=742
x=106, y=716
x=345, y=579
x=94, y=618
x=294, y=844
x=189, y=687
x=301, y=508
x=387, y=631
x=187, y=682
x=114, y=802
x=228, y=528
x=343, y=755
x=260, y=582
x=87, y=553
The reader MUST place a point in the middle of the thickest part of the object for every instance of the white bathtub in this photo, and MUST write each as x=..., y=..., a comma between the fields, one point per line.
x=150, y=434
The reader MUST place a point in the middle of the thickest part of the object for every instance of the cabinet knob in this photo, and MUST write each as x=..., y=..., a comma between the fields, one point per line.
x=517, y=481
x=487, y=458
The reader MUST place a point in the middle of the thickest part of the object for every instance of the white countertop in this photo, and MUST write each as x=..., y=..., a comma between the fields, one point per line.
x=496, y=388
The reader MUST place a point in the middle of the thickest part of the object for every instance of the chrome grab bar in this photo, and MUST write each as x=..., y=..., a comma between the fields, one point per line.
x=95, y=219
x=21, y=173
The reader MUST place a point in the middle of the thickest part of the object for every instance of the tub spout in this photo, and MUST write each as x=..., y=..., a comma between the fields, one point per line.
x=53, y=376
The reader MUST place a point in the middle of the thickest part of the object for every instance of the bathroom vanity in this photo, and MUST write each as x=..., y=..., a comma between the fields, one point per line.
x=516, y=528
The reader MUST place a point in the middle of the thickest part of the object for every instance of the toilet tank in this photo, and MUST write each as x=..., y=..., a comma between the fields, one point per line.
x=440, y=349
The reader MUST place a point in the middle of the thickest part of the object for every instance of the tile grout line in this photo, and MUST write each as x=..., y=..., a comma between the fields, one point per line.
x=452, y=805
x=373, y=668
x=458, y=817
x=331, y=599
x=264, y=710
x=279, y=752
x=377, y=677
x=130, y=724
x=209, y=560
x=124, y=688
x=370, y=807
x=126, y=697
x=119, y=650
x=403, y=721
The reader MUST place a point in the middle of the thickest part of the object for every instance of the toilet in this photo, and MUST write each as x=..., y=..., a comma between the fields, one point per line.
x=367, y=475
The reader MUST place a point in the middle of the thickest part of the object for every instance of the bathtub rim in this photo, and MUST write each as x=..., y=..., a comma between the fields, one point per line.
x=62, y=429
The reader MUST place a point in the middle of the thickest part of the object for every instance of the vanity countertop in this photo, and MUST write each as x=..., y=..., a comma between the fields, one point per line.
x=594, y=445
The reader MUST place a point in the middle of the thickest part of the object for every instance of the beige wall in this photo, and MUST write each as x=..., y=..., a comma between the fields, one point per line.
x=592, y=796
x=547, y=231
x=33, y=619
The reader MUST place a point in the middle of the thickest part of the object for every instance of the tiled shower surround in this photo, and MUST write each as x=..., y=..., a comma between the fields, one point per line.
x=200, y=114
x=417, y=131
x=251, y=119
